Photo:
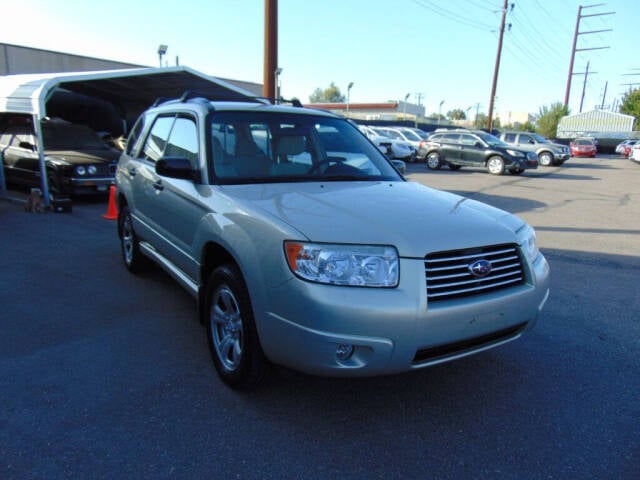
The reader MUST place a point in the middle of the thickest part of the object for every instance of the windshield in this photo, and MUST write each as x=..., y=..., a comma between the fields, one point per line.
x=69, y=136
x=539, y=138
x=250, y=147
x=411, y=135
x=491, y=140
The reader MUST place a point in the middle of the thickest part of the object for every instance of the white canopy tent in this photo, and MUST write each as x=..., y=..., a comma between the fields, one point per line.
x=130, y=92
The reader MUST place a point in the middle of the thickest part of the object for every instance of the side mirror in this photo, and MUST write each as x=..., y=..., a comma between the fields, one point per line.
x=478, y=144
x=176, y=167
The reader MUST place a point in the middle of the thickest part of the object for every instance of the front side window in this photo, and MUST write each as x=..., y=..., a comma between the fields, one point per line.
x=157, y=139
x=275, y=147
x=183, y=140
x=468, y=140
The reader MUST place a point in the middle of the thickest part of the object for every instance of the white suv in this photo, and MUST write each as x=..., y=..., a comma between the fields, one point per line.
x=304, y=247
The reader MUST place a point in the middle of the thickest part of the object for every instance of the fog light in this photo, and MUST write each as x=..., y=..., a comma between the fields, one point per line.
x=344, y=351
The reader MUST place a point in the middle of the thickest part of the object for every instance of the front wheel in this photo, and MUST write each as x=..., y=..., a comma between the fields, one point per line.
x=545, y=159
x=433, y=161
x=495, y=165
x=231, y=331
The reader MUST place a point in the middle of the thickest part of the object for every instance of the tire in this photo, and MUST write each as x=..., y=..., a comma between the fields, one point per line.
x=545, y=159
x=433, y=161
x=454, y=167
x=231, y=331
x=55, y=191
x=133, y=259
x=495, y=165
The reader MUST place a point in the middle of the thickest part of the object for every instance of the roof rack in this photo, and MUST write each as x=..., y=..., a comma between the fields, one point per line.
x=195, y=95
x=294, y=101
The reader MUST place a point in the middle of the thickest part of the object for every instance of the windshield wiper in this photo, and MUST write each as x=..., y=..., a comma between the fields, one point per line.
x=345, y=178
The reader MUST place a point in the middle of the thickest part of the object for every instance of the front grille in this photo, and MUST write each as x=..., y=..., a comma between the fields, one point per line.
x=449, y=276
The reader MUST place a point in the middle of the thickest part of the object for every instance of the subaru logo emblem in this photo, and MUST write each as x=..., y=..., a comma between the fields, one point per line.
x=480, y=268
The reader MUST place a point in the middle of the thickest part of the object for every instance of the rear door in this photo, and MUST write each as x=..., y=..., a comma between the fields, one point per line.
x=450, y=147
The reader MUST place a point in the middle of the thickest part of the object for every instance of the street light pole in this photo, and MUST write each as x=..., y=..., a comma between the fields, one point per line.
x=162, y=49
x=440, y=111
x=404, y=113
x=276, y=74
x=349, y=96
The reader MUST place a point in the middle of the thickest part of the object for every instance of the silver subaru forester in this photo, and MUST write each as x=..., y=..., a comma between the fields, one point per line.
x=305, y=247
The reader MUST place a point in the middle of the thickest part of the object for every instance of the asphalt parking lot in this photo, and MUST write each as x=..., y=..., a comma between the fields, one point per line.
x=107, y=375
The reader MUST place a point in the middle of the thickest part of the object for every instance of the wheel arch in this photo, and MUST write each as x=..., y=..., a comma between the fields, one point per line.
x=213, y=255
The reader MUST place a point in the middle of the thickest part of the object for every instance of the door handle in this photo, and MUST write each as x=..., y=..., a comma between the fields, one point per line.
x=158, y=185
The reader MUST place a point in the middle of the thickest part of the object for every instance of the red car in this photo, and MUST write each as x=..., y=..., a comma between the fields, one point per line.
x=626, y=150
x=583, y=147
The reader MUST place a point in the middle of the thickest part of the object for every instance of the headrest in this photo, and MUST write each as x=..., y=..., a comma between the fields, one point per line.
x=290, y=145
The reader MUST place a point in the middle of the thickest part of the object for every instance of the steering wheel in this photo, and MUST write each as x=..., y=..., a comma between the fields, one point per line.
x=327, y=161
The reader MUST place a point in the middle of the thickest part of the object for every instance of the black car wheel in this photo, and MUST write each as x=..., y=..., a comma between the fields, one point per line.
x=545, y=159
x=133, y=259
x=495, y=165
x=231, y=331
x=433, y=161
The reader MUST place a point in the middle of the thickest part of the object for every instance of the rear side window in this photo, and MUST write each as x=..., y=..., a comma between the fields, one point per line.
x=510, y=138
x=451, y=137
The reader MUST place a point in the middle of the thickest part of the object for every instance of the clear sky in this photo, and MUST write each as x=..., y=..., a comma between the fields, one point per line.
x=440, y=49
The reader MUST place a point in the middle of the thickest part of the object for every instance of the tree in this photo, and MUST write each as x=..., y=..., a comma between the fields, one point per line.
x=481, y=120
x=549, y=117
x=331, y=94
x=631, y=105
x=456, y=114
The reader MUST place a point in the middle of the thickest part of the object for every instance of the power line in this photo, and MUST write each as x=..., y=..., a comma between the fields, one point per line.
x=451, y=15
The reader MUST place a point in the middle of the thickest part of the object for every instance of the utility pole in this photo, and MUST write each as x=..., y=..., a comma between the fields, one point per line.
x=270, y=49
x=604, y=95
x=575, y=42
x=497, y=66
x=584, y=86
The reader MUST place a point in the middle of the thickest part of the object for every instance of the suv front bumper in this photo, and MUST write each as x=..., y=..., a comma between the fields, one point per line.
x=392, y=330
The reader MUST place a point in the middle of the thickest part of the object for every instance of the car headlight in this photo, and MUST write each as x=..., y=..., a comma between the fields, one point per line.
x=81, y=170
x=355, y=265
x=515, y=153
x=528, y=243
x=91, y=169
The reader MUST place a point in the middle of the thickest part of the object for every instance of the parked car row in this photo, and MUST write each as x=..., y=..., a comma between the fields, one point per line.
x=393, y=146
x=625, y=147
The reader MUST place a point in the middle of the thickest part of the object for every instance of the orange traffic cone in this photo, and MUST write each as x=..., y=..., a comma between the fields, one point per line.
x=112, y=210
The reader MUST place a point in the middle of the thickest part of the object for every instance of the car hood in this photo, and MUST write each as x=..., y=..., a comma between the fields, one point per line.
x=413, y=218
x=83, y=157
